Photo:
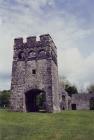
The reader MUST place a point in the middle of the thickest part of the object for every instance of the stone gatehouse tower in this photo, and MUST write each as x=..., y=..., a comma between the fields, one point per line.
x=34, y=72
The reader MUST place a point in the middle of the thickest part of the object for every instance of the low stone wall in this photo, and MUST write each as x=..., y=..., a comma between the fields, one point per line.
x=82, y=101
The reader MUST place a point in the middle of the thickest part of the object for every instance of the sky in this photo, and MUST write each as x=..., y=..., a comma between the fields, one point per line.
x=69, y=22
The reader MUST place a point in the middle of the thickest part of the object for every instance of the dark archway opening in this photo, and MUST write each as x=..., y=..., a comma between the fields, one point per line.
x=35, y=101
x=73, y=106
x=92, y=103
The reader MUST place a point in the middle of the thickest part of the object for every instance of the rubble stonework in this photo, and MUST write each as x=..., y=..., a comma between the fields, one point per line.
x=35, y=68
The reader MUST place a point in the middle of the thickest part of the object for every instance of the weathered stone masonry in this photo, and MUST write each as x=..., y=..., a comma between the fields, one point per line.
x=35, y=67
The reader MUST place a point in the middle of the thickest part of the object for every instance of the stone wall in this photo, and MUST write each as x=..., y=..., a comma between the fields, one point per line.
x=82, y=101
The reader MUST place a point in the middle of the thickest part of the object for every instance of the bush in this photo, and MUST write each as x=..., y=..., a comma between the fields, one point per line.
x=4, y=98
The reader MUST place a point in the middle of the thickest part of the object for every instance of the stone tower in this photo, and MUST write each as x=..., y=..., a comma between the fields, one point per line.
x=34, y=72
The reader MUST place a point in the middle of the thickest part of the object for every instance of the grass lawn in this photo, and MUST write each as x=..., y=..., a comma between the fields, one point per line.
x=68, y=125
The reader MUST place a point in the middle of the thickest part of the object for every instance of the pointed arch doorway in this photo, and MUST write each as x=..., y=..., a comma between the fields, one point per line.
x=35, y=101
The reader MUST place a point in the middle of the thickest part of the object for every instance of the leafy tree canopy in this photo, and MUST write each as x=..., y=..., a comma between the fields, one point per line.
x=71, y=89
x=90, y=89
x=4, y=98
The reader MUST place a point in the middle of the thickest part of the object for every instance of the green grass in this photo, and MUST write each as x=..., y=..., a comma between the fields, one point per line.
x=68, y=125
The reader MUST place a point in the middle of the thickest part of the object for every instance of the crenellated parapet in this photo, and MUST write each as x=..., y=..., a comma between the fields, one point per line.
x=33, y=49
x=32, y=41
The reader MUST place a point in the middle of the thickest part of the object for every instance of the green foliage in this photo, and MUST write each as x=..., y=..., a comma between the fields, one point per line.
x=64, y=83
x=71, y=89
x=40, y=101
x=4, y=98
x=92, y=103
x=67, y=125
x=90, y=89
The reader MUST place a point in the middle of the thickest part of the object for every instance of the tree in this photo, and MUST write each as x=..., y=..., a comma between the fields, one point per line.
x=90, y=89
x=71, y=89
x=4, y=98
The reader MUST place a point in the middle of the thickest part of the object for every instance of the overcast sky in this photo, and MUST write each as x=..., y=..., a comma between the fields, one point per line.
x=69, y=22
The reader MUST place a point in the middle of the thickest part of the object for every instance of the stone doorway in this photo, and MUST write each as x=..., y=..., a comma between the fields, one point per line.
x=73, y=106
x=35, y=101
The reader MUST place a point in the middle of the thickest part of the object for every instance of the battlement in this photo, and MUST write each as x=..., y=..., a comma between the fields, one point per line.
x=45, y=37
x=18, y=41
x=32, y=40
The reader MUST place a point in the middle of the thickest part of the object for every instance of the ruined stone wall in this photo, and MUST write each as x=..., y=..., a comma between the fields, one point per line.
x=82, y=101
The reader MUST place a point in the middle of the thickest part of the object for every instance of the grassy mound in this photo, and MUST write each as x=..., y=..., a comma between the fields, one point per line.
x=68, y=125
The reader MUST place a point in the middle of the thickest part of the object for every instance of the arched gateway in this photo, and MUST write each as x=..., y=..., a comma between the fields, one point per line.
x=35, y=101
x=35, y=74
